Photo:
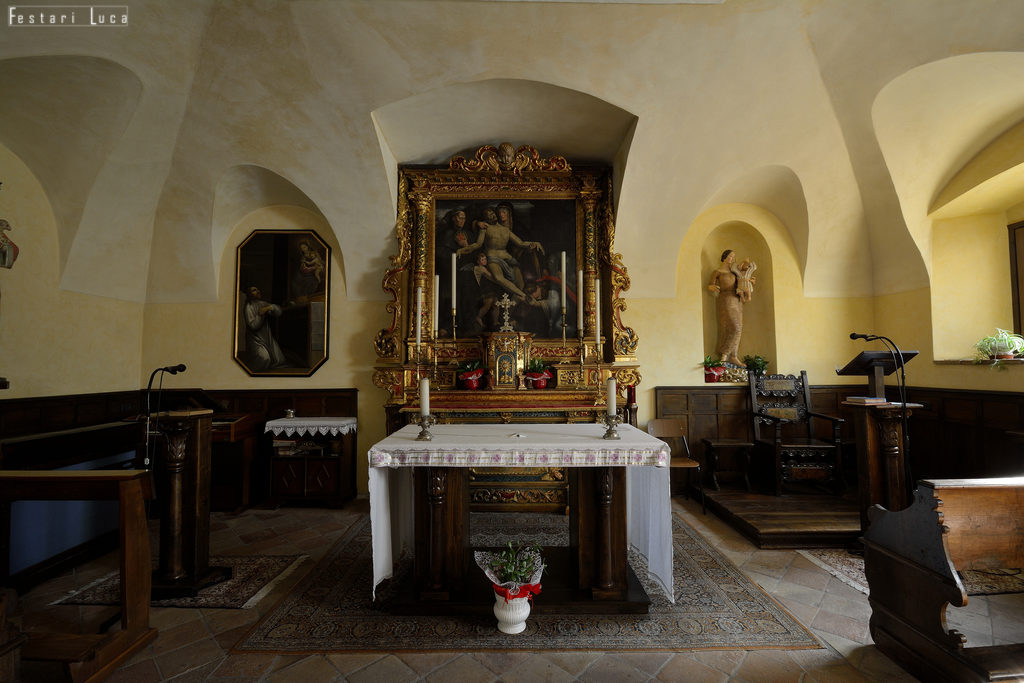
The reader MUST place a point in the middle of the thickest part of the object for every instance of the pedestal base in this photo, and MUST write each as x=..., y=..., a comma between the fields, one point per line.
x=188, y=587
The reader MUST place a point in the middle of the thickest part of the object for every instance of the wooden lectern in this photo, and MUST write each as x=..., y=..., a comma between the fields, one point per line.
x=881, y=466
x=184, y=474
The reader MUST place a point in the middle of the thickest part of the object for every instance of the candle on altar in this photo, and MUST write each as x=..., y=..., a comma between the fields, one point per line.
x=561, y=276
x=433, y=317
x=611, y=396
x=453, y=282
x=579, y=304
x=419, y=314
x=425, y=396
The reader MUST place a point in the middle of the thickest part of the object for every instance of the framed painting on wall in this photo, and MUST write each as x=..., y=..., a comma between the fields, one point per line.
x=281, y=303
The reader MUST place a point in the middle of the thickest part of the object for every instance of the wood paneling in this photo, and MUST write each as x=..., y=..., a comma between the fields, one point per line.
x=954, y=434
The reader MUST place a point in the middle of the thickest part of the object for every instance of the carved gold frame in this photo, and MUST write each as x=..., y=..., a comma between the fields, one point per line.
x=504, y=173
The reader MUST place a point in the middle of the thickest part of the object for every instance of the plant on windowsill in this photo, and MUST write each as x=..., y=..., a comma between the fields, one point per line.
x=515, y=575
x=759, y=364
x=714, y=368
x=1003, y=345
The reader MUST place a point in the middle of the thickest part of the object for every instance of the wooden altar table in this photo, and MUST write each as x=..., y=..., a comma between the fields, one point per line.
x=618, y=488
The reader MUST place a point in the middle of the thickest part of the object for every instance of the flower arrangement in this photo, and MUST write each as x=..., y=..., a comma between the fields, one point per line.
x=469, y=374
x=714, y=368
x=515, y=571
x=538, y=373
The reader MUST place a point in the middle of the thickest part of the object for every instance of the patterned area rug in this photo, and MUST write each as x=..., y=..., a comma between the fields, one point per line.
x=850, y=570
x=717, y=607
x=252, y=577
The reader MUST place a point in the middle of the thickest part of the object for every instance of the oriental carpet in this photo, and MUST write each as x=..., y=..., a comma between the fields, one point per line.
x=717, y=607
x=850, y=570
x=252, y=577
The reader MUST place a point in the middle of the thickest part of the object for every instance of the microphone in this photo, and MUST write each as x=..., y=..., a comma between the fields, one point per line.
x=865, y=337
x=174, y=369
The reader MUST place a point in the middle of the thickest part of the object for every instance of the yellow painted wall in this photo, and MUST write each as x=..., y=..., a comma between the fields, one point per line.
x=201, y=335
x=55, y=342
x=971, y=282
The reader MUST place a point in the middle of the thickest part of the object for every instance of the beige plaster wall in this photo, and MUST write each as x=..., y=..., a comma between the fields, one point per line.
x=54, y=341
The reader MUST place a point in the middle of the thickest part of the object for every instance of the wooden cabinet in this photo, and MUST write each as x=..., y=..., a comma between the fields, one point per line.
x=310, y=463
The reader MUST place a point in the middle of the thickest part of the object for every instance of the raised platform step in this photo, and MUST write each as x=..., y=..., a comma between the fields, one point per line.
x=792, y=520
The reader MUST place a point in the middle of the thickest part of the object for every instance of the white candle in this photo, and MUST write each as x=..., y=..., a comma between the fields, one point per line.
x=425, y=396
x=433, y=318
x=597, y=310
x=562, y=278
x=419, y=314
x=579, y=304
x=611, y=396
x=453, y=281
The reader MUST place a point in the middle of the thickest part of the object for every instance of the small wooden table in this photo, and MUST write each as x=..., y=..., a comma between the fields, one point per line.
x=313, y=459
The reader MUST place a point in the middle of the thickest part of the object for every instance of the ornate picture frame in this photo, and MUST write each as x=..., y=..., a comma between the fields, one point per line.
x=517, y=213
x=282, y=288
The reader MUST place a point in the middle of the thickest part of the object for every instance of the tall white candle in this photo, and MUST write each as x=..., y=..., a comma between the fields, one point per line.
x=597, y=310
x=453, y=282
x=419, y=314
x=425, y=396
x=562, y=278
x=611, y=396
x=433, y=318
x=579, y=304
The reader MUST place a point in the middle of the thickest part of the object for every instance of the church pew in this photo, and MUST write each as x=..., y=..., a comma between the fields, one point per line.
x=911, y=558
x=93, y=657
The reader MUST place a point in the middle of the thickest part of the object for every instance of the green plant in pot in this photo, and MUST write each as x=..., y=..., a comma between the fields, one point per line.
x=714, y=368
x=515, y=575
x=469, y=374
x=1002, y=345
x=759, y=364
x=537, y=373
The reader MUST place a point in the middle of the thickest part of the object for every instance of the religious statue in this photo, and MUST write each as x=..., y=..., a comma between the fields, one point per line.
x=732, y=286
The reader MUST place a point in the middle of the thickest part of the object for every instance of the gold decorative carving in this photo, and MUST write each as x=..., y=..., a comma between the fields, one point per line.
x=384, y=343
x=504, y=159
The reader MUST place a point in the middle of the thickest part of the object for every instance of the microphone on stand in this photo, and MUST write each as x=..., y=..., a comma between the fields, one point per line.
x=865, y=337
x=172, y=370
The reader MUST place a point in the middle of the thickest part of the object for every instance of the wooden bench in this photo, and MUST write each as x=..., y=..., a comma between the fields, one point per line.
x=911, y=558
x=93, y=657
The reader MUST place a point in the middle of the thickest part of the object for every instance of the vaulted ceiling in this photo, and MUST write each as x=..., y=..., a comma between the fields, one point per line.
x=850, y=121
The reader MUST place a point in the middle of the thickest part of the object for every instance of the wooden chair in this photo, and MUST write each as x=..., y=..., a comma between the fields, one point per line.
x=673, y=432
x=784, y=425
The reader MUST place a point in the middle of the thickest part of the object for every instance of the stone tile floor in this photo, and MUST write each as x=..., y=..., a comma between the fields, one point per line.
x=193, y=644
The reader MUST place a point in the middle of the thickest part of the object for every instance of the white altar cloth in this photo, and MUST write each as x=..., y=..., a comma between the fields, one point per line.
x=311, y=426
x=648, y=497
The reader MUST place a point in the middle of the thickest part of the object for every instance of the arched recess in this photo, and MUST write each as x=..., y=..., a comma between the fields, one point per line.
x=245, y=188
x=778, y=190
x=432, y=126
x=63, y=116
x=758, y=336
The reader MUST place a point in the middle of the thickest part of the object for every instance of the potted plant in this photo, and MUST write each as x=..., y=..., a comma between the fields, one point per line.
x=759, y=364
x=469, y=374
x=1003, y=345
x=537, y=374
x=714, y=368
x=515, y=575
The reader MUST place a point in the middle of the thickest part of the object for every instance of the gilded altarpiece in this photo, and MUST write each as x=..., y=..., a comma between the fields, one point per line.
x=505, y=265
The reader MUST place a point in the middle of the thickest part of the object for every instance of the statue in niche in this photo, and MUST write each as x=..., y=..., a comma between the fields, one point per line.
x=732, y=286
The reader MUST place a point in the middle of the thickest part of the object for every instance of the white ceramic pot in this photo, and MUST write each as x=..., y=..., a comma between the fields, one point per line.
x=512, y=614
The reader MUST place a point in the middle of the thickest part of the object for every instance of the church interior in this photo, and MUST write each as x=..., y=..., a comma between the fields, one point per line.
x=172, y=172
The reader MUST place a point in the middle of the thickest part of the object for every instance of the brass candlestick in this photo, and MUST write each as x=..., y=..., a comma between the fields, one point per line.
x=612, y=421
x=454, y=326
x=426, y=422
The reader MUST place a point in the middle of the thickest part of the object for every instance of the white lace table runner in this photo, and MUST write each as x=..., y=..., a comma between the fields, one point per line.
x=311, y=426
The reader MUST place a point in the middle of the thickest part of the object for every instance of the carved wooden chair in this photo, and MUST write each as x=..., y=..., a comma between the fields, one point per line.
x=786, y=427
x=673, y=432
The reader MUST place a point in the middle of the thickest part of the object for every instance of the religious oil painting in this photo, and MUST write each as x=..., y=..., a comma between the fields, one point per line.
x=281, y=303
x=485, y=250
